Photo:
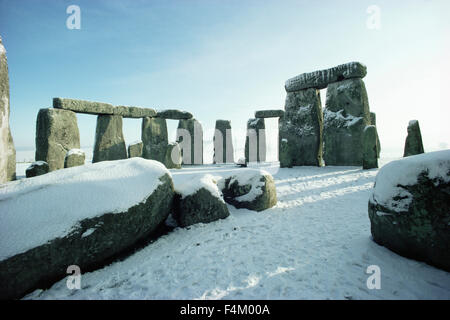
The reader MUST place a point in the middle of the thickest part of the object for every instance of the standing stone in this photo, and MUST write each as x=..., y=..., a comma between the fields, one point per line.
x=373, y=121
x=190, y=138
x=37, y=168
x=255, y=142
x=7, y=150
x=301, y=128
x=173, y=156
x=413, y=143
x=223, y=142
x=109, y=141
x=56, y=133
x=346, y=114
x=74, y=158
x=370, y=157
x=154, y=138
x=135, y=149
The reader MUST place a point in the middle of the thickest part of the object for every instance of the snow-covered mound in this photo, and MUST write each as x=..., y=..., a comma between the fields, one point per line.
x=390, y=191
x=35, y=210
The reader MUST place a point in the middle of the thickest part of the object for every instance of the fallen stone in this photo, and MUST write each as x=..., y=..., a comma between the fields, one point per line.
x=269, y=113
x=346, y=114
x=75, y=222
x=109, y=140
x=252, y=189
x=302, y=129
x=56, y=133
x=81, y=106
x=255, y=141
x=174, y=114
x=7, y=150
x=190, y=139
x=134, y=112
x=321, y=79
x=223, y=142
x=198, y=200
x=173, y=156
x=409, y=208
x=154, y=138
x=370, y=157
x=135, y=149
x=37, y=168
x=413, y=143
x=74, y=158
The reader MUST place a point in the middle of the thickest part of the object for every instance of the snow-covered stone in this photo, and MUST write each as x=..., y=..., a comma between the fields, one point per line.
x=46, y=223
x=320, y=79
x=253, y=189
x=74, y=158
x=413, y=142
x=7, y=150
x=301, y=127
x=409, y=208
x=37, y=168
x=109, y=140
x=56, y=133
x=198, y=200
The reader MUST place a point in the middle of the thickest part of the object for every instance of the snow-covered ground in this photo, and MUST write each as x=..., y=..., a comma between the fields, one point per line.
x=314, y=244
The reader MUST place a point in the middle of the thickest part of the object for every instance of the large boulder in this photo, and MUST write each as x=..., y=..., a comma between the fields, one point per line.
x=198, y=200
x=7, y=150
x=269, y=113
x=190, y=139
x=255, y=141
x=346, y=114
x=252, y=189
x=135, y=149
x=413, y=143
x=134, y=112
x=223, y=142
x=370, y=148
x=174, y=114
x=56, y=133
x=109, y=140
x=82, y=106
x=74, y=158
x=409, y=208
x=173, y=156
x=82, y=216
x=154, y=138
x=37, y=168
x=301, y=127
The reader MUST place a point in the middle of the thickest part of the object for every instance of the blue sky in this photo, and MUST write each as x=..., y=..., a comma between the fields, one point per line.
x=226, y=59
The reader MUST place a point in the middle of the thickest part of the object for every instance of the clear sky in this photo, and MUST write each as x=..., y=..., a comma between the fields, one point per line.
x=225, y=59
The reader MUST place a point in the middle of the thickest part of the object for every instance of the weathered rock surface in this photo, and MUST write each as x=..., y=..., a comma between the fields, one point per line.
x=82, y=106
x=409, y=208
x=269, y=113
x=37, y=168
x=346, y=114
x=174, y=114
x=74, y=158
x=199, y=201
x=154, y=138
x=370, y=148
x=413, y=143
x=134, y=112
x=75, y=225
x=109, y=140
x=301, y=129
x=173, y=156
x=190, y=139
x=321, y=79
x=373, y=121
x=56, y=133
x=135, y=149
x=255, y=141
x=7, y=150
x=223, y=142
x=249, y=188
